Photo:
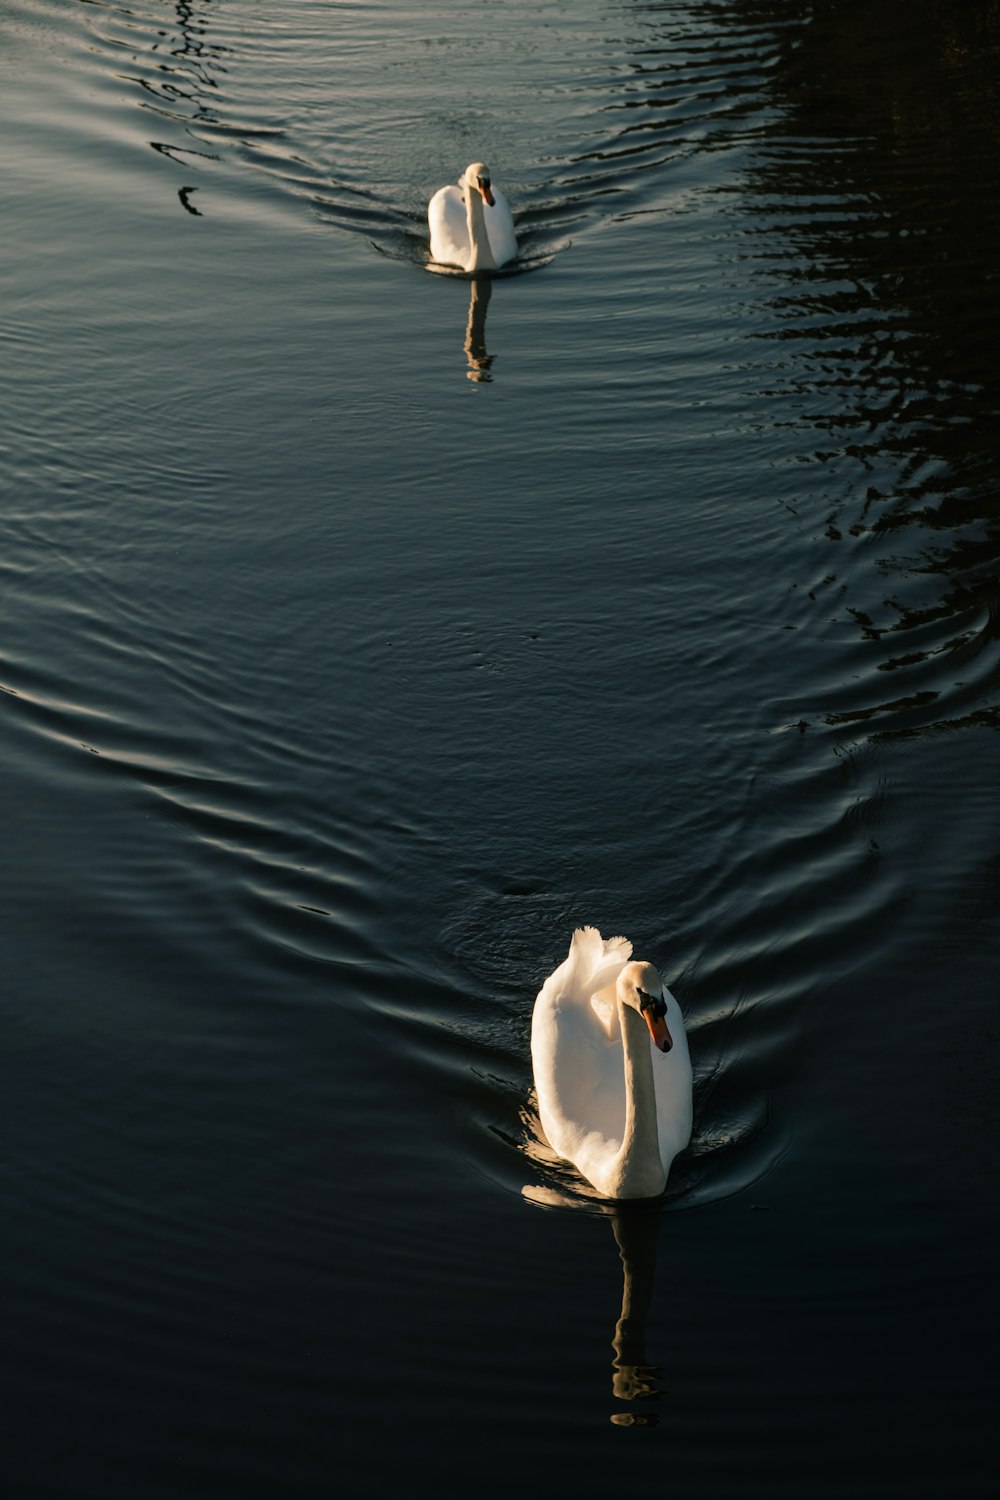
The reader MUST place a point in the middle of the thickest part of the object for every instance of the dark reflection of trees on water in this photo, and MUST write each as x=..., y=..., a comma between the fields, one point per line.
x=874, y=210
x=197, y=57
x=185, y=67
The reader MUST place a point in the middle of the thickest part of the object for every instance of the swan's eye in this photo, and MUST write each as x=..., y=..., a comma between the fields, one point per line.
x=647, y=1002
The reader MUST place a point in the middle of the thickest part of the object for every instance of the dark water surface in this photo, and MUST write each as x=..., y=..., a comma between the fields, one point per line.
x=364, y=630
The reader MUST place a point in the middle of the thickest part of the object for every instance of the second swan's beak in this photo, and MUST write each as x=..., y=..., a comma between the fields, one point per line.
x=484, y=187
x=658, y=1030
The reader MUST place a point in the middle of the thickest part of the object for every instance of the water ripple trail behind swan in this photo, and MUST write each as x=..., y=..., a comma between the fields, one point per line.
x=592, y=122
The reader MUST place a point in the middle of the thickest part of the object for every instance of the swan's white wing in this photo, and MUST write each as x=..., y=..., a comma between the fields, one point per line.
x=449, y=230
x=672, y=1081
x=500, y=229
x=579, y=1077
x=579, y=1069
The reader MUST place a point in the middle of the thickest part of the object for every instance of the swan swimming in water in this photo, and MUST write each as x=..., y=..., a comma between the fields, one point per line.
x=471, y=224
x=611, y=1065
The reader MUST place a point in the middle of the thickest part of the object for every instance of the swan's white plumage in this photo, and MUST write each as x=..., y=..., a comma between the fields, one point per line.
x=458, y=216
x=578, y=1052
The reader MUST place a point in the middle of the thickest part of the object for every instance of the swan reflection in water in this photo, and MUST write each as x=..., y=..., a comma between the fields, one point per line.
x=480, y=360
x=636, y=1226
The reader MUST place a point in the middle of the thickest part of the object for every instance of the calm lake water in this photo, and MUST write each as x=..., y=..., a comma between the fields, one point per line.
x=366, y=629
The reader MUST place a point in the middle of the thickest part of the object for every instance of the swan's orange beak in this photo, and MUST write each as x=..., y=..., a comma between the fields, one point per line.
x=487, y=193
x=658, y=1031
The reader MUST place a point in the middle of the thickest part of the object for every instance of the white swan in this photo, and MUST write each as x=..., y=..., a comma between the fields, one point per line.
x=471, y=224
x=612, y=1070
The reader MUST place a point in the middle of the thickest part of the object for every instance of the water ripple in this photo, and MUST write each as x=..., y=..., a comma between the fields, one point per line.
x=617, y=103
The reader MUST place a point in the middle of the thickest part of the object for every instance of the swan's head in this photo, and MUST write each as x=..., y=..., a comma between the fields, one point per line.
x=640, y=986
x=477, y=177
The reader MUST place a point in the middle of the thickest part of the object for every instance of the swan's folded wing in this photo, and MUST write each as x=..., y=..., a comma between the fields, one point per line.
x=500, y=229
x=672, y=1072
x=578, y=1072
x=449, y=230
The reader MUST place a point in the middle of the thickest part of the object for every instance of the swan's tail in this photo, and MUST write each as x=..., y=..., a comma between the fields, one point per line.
x=594, y=960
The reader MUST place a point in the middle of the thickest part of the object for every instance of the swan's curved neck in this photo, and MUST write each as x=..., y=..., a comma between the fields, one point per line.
x=482, y=257
x=639, y=1167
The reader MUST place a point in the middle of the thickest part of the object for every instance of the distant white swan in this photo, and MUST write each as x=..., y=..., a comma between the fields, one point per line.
x=612, y=1070
x=471, y=224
